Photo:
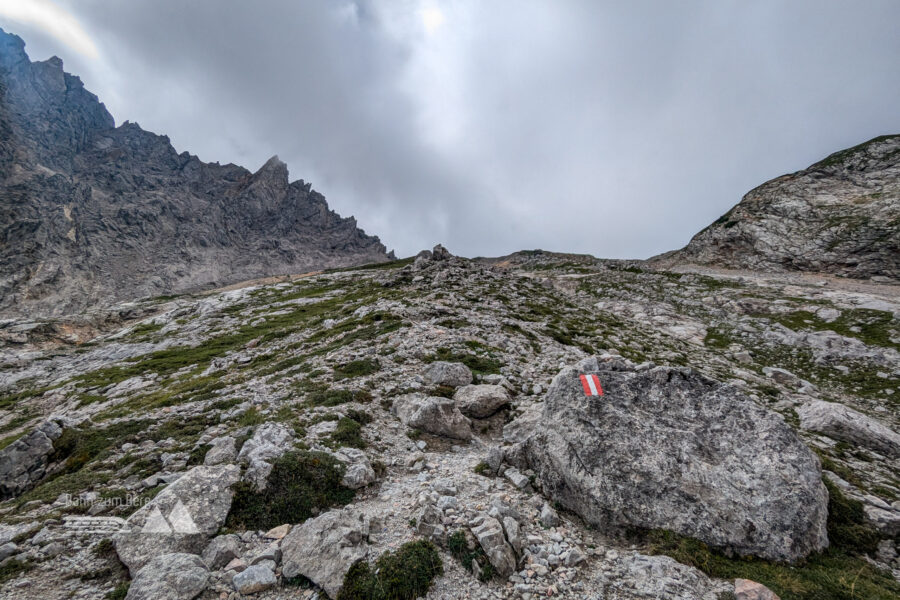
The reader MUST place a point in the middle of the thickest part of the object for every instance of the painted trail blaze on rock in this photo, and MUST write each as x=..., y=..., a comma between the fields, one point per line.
x=673, y=449
x=591, y=385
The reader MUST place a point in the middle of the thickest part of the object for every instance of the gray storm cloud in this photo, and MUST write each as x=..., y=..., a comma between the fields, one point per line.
x=617, y=129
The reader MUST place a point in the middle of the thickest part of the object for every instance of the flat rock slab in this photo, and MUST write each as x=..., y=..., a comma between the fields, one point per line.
x=667, y=448
x=843, y=423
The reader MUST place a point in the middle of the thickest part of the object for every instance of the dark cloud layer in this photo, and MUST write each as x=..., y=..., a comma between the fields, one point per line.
x=618, y=129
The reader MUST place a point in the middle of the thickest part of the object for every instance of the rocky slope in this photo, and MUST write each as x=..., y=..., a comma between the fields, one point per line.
x=91, y=213
x=840, y=215
x=308, y=438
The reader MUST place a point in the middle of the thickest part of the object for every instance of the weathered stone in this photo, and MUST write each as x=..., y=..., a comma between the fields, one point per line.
x=358, y=471
x=480, y=401
x=636, y=576
x=24, y=462
x=492, y=540
x=843, y=423
x=548, y=517
x=269, y=441
x=447, y=373
x=221, y=550
x=670, y=448
x=323, y=549
x=744, y=589
x=180, y=518
x=175, y=576
x=253, y=579
x=223, y=451
x=432, y=414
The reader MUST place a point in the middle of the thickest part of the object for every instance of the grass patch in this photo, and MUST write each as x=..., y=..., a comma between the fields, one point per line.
x=479, y=365
x=13, y=568
x=836, y=574
x=357, y=368
x=348, y=433
x=301, y=483
x=335, y=396
x=404, y=574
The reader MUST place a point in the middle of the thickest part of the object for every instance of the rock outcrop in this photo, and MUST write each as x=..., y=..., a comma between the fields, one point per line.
x=180, y=519
x=667, y=448
x=843, y=423
x=92, y=213
x=24, y=462
x=841, y=216
x=323, y=549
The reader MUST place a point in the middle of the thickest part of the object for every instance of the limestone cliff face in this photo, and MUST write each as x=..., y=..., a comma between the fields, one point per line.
x=91, y=213
x=840, y=216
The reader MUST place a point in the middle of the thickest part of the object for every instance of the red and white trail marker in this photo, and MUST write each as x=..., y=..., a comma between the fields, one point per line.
x=591, y=385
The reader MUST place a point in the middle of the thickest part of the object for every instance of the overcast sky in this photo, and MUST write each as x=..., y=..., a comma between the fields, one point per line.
x=618, y=129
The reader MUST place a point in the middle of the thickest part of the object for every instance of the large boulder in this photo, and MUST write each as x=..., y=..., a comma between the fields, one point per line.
x=668, y=448
x=634, y=576
x=432, y=414
x=481, y=400
x=180, y=519
x=323, y=549
x=175, y=576
x=843, y=423
x=24, y=462
x=447, y=373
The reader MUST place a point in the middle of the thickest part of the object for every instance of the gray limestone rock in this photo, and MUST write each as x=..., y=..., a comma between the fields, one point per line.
x=843, y=423
x=223, y=451
x=255, y=578
x=669, y=448
x=490, y=536
x=180, y=518
x=23, y=463
x=97, y=214
x=174, y=576
x=323, y=549
x=480, y=400
x=432, y=414
x=447, y=373
x=221, y=550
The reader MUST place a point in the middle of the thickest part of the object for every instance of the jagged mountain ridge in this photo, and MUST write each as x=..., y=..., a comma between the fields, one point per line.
x=93, y=213
x=841, y=215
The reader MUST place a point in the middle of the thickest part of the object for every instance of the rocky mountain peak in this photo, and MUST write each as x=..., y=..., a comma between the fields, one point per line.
x=93, y=214
x=841, y=215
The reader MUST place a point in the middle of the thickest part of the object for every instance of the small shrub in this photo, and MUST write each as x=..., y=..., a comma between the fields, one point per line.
x=348, y=433
x=300, y=482
x=404, y=574
x=250, y=417
x=197, y=454
x=357, y=368
x=847, y=527
x=13, y=568
x=470, y=556
x=484, y=469
x=334, y=397
x=119, y=592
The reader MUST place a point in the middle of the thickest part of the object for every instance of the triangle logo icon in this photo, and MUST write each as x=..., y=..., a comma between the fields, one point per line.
x=156, y=523
x=181, y=521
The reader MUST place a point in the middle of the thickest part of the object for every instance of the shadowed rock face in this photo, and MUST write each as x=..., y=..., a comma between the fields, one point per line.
x=91, y=213
x=668, y=448
x=841, y=216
